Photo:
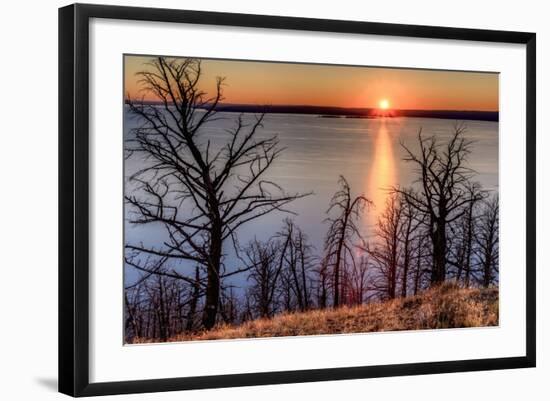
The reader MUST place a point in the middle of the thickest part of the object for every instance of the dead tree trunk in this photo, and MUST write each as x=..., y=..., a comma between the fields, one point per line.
x=212, y=294
x=339, y=249
x=342, y=231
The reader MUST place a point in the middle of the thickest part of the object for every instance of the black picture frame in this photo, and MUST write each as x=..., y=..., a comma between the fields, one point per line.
x=74, y=201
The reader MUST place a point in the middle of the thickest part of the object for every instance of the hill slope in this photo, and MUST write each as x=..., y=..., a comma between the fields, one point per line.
x=444, y=307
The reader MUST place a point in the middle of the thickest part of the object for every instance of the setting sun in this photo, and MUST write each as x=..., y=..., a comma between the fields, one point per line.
x=384, y=104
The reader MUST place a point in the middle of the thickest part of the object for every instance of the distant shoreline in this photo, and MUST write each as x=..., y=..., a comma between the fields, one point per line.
x=335, y=112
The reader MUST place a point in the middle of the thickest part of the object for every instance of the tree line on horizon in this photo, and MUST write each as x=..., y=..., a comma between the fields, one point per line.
x=443, y=227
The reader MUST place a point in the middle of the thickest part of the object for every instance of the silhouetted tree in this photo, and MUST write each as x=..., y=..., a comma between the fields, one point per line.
x=443, y=178
x=465, y=235
x=264, y=276
x=298, y=263
x=408, y=232
x=387, y=250
x=488, y=251
x=199, y=195
x=229, y=306
x=393, y=250
x=158, y=306
x=342, y=232
x=357, y=283
x=322, y=283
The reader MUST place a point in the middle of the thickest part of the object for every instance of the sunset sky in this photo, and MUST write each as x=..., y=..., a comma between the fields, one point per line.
x=265, y=83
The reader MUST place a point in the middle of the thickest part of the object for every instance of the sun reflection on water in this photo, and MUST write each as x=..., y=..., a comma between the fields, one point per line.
x=382, y=175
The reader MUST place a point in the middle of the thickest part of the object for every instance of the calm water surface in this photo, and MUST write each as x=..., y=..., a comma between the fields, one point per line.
x=317, y=151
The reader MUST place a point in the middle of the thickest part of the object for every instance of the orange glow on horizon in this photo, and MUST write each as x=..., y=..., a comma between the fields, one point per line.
x=261, y=83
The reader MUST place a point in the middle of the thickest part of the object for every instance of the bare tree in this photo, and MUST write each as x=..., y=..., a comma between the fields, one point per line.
x=322, y=283
x=229, y=305
x=443, y=178
x=198, y=193
x=487, y=239
x=409, y=230
x=158, y=306
x=358, y=282
x=386, y=252
x=342, y=232
x=133, y=318
x=297, y=259
x=465, y=235
x=264, y=276
x=304, y=266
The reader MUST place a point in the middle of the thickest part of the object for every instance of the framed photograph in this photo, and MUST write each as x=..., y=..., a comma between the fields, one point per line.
x=250, y=199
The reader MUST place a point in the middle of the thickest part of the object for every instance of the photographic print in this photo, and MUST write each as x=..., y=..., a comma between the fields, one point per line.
x=269, y=199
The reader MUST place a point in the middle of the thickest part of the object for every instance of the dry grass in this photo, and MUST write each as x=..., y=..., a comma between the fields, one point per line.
x=447, y=306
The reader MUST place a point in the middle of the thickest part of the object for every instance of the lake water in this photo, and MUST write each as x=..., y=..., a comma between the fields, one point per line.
x=367, y=152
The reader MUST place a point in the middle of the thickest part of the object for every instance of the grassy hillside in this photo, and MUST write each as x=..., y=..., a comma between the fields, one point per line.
x=444, y=307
